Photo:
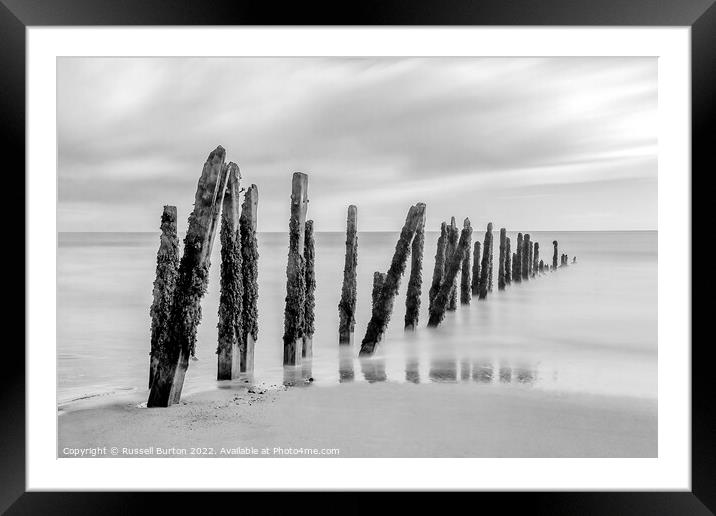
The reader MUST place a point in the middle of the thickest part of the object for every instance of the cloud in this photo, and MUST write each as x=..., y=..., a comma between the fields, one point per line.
x=133, y=134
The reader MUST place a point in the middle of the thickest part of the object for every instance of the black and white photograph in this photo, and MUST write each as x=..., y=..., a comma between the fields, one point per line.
x=357, y=257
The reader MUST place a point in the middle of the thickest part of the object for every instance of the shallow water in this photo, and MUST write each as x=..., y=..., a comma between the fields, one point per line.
x=590, y=327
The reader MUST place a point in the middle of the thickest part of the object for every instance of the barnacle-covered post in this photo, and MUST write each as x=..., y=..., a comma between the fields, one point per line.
x=526, y=248
x=437, y=313
x=250, y=280
x=476, y=269
x=231, y=295
x=384, y=304
x=415, y=283
x=347, y=304
x=501, y=264
x=508, y=262
x=535, y=260
x=439, y=270
x=294, y=314
x=554, y=256
x=486, y=263
x=453, y=235
x=191, y=283
x=164, y=284
x=309, y=258
x=517, y=259
x=465, y=293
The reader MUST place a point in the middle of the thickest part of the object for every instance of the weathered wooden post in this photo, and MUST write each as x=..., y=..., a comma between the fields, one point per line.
x=529, y=262
x=415, y=283
x=566, y=259
x=535, y=260
x=508, y=262
x=231, y=295
x=250, y=280
x=517, y=260
x=554, y=256
x=486, y=263
x=439, y=270
x=437, y=312
x=384, y=305
x=574, y=259
x=294, y=314
x=347, y=305
x=501, y=264
x=309, y=258
x=476, y=269
x=164, y=285
x=526, y=257
x=191, y=283
x=453, y=235
x=378, y=282
x=541, y=266
x=465, y=279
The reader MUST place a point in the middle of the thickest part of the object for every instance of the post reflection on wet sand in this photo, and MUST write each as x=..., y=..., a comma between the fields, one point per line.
x=346, y=356
x=443, y=369
x=412, y=368
x=373, y=369
x=298, y=375
x=482, y=372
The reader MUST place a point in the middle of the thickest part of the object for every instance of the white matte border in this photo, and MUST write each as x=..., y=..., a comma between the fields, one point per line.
x=671, y=470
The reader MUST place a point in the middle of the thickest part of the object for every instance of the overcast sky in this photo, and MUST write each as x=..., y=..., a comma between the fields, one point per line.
x=527, y=143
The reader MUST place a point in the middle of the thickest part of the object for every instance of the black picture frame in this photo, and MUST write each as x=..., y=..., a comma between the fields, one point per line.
x=16, y=15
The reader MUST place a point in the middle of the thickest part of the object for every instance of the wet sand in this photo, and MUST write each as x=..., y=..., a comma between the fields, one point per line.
x=371, y=420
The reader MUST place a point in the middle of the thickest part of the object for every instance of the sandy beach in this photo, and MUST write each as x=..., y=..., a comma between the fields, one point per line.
x=368, y=420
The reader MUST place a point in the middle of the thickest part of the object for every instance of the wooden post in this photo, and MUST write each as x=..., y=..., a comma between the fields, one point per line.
x=191, y=283
x=489, y=272
x=530, y=272
x=437, y=313
x=384, y=305
x=439, y=270
x=231, y=296
x=309, y=258
x=541, y=266
x=535, y=260
x=508, y=262
x=501, y=264
x=486, y=263
x=415, y=283
x=526, y=257
x=517, y=260
x=453, y=235
x=574, y=259
x=378, y=282
x=476, y=269
x=249, y=276
x=164, y=285
x=554, y=256
x=294, y=314
x=347, y=305
x=465, y=279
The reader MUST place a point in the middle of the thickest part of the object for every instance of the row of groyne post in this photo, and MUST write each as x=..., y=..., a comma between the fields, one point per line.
x=181, y=282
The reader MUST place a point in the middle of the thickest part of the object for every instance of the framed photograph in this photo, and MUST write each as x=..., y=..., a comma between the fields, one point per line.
x=426, y=249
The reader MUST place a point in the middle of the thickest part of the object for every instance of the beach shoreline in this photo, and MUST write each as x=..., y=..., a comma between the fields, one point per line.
x=363, y=420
